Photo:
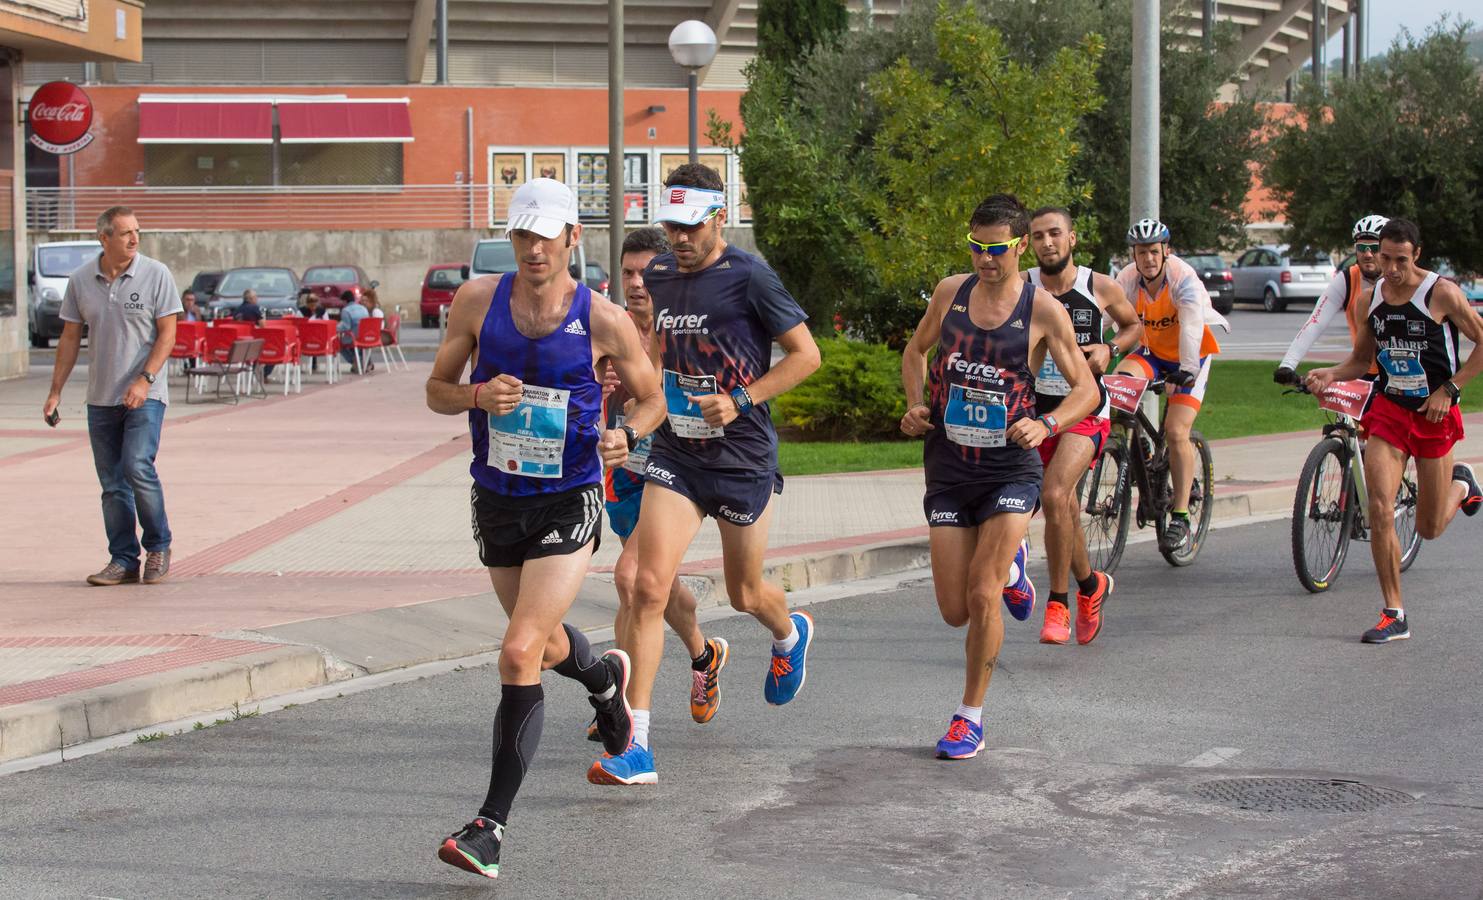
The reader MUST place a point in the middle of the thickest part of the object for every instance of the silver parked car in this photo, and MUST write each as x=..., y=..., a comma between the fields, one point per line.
x=1273, y=275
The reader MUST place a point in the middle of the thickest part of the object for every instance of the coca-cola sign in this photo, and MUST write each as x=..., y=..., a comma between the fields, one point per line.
x=61, y=115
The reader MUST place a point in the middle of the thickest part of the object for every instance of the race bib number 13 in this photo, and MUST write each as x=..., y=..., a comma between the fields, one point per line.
x=975, y=418
x=1404, y=374
x=530, y=439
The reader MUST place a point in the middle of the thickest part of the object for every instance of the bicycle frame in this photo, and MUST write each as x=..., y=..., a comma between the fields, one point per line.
x=1146, y=469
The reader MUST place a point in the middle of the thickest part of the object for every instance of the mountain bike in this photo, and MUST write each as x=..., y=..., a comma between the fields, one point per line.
x=1137, y=456
x=1331, y=504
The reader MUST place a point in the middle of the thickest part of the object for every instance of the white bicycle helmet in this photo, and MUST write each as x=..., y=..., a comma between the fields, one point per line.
x=1148, y=231
x=1369, y=226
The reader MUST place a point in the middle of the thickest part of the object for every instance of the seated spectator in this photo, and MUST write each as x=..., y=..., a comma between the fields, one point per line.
x=190, y=312
x=309, y=306
x=249, y=311
x=350, y=317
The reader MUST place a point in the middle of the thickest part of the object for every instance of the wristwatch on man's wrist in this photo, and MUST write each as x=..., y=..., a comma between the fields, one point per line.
x=1452, y=390
x=1050, y=423
x=147, y=377
x=742, y=399
x=631, y=435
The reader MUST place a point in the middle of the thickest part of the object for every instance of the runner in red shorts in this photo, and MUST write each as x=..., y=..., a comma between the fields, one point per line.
x=1412, y=332
x=1090, y=299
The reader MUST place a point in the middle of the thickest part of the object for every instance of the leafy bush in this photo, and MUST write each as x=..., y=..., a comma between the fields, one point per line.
x=855, y=394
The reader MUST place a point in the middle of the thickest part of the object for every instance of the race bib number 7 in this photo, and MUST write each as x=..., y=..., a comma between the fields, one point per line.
x=684, y=413
x=975, y=418
x=530, y=440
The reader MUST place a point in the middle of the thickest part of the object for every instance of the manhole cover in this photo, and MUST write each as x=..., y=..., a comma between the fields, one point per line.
x=1298, y=794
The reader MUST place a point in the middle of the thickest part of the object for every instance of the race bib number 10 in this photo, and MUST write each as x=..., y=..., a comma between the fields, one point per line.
x=531, y=439
x=684, y=413
x=975, y=418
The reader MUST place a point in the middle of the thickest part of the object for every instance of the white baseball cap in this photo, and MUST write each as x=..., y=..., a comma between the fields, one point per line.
x=688, y=205
x=544, y=206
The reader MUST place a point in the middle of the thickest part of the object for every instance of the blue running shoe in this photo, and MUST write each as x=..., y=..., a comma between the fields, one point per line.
x=785, y=678
x=633, y=766
x=1020, y=596
x=963, y=740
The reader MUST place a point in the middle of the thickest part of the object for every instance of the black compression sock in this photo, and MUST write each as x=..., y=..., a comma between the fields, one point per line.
x=701, y=662
x=581, y=665
x=1058, y=597
x=1087, y=585
x=517, y=731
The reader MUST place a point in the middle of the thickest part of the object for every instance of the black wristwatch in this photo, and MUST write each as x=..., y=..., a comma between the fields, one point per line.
x=1453, y=390
x=150, y=378
x=631, y=435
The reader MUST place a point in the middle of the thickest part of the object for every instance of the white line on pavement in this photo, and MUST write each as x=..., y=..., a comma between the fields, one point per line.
x=1213, y=757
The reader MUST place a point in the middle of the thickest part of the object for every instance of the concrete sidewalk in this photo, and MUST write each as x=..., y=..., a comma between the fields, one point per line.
x=325, y=536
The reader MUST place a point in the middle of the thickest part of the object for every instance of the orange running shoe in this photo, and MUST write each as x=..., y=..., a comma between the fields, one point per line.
x=1089, y=609
x=705, y=685
x=1057, y=628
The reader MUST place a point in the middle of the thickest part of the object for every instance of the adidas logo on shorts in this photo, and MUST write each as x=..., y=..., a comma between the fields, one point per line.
x=552, y=538
x=575, y=327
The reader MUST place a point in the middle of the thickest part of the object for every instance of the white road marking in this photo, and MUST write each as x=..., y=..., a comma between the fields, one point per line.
x=1213, y=757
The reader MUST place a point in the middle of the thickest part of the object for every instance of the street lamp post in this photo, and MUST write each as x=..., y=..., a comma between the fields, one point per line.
x=692, y=43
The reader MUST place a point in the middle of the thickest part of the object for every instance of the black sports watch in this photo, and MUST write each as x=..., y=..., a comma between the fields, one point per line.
x=1453, y=390
x=631, y=435
x=147, y=377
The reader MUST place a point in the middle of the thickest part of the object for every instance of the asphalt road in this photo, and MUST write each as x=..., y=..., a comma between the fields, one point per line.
x=1103, y=775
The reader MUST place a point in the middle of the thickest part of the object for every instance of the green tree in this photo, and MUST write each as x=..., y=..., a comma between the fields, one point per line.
x=1400, y=140
x=788, y=29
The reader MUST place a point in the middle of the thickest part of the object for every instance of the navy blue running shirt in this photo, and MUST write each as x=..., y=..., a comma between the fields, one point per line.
x=548, y=444
x=715, y=330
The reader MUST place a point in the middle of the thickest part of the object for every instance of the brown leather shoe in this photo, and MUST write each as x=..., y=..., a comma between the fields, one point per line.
x=156, y=566
x=112, y=574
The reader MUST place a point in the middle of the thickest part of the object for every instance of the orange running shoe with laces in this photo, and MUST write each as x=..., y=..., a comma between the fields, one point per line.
x=1089, y=609
x=1057, y=629
x=705, y=684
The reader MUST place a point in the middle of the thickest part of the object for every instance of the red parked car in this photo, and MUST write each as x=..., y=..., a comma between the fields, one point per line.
x=329, y=282
x=438, y=287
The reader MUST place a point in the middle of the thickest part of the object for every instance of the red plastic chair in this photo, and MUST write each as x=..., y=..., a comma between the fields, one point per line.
x=368, y=338
x=281, y=348
x=317, y=338
x=219, y=339
x=190, y=342
x=391, y=338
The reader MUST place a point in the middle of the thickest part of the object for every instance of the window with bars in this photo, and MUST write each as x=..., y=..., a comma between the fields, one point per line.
x=361, y=163
x=202, y=165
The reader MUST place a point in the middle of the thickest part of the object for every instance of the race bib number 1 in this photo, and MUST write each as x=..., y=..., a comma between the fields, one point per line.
x=530, y=439
x=975, y=418
x=1403, y=373
x=684, y=413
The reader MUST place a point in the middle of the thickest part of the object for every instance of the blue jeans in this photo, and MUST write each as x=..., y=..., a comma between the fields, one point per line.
x=125, y=442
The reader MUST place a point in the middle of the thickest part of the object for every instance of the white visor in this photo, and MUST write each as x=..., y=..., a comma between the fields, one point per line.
x=689, y=205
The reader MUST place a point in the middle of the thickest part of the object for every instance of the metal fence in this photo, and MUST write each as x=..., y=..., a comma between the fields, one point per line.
x=326, y=207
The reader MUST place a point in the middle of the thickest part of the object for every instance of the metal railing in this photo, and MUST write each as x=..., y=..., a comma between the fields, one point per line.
x=328, y=207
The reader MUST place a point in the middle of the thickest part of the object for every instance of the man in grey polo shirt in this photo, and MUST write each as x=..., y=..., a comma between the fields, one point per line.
x=128, y=302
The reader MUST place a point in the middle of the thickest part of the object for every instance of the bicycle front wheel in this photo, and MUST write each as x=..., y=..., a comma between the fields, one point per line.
x=1405, y=516
x=1106, y=510
x=1322, y=516
x=1201, y=504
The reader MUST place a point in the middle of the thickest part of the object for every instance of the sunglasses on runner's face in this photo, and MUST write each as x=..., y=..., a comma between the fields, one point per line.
x=996, y=249
x=1366, y=248
x=690, y=229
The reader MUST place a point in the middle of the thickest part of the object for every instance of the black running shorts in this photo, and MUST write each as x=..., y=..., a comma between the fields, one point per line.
x=970, y=505
x=511, y=530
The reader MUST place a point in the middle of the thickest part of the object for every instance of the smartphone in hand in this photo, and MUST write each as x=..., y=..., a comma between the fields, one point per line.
x=54, y=417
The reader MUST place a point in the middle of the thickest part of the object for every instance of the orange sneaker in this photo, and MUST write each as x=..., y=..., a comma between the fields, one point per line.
x=1057, y=628
x=705, y=684
x=1089, y=609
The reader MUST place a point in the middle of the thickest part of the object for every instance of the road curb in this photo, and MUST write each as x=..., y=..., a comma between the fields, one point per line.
x=52, y=725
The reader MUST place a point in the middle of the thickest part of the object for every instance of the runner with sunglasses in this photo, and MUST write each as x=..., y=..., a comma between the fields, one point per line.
x=1177, y=347
x=981, y=429
x=1348, y=293
x=717, y=311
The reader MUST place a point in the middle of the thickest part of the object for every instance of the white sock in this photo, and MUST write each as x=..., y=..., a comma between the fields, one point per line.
x=641, y=728
x=787, y=644
x=608, y=694
x=1395, y=612
x=974, y=714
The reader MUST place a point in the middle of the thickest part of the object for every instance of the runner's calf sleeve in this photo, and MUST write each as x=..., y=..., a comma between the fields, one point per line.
x=581, y=665
x=517, y=731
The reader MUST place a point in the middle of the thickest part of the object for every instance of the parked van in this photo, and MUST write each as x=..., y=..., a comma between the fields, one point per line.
x=47, y=276
x=497, y=255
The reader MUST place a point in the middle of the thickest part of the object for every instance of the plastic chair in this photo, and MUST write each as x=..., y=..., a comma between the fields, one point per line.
x=281, y=348
x=391, y=338
x=317, y=339
x=233, y=366
x=219, y=340
x=368, y=338
x=190, y=343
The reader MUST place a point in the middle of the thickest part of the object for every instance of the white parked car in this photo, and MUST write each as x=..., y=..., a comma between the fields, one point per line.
x=1273, y=275
x=50, y=265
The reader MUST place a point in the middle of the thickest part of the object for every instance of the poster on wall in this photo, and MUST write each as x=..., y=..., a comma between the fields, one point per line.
x=592, y=186
x=548, y=165
x=509, y=174
x=668, y=162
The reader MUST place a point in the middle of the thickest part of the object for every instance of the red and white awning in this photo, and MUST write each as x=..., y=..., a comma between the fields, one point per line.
x=220, y=120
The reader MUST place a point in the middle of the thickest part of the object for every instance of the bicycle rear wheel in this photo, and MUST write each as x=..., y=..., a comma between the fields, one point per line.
x=1405, y=516
x=1201, y=502
x=1323, y=513
x=1106, y=491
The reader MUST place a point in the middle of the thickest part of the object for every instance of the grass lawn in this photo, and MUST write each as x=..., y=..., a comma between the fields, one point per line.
x=1242, y=400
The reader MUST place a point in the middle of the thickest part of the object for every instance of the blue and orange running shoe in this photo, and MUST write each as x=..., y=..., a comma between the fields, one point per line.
x=475, y=847
x=786, y=676
x=1020, y=596
x=633, y=766
x=963, y=740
